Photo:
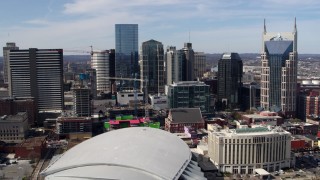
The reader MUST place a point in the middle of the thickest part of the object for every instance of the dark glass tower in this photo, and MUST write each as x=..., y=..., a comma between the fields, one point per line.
x=229, y=80
x=127, y=56
x=152, y=63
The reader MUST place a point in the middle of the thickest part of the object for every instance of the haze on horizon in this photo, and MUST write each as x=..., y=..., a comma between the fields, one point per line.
x=214, y=26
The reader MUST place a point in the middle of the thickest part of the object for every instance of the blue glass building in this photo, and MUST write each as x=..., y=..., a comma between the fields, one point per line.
x=279, y=72
x=127, y=56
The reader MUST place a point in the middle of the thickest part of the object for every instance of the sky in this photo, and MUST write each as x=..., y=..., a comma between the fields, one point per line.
x=212, y=26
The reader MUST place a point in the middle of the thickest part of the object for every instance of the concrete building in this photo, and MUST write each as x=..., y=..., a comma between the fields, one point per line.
x=100, y=62
x=74, y=127
x=279, y=71
x=152, y=66
x=199, y=64
x=173, y=65
x=6, y=51
x=134, y=157
x=92, y=82
x=127, y=57
x=229, y=80
x=189, y=94
x=158, y=102
x=37, y=73
x=82, y=103
x=13, y=128
x=263, y=118
x=178, y=118
x=124, y=97
x=242, y=151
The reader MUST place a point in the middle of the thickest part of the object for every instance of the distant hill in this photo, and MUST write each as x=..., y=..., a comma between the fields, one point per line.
x=74, y=58
x=211, y=58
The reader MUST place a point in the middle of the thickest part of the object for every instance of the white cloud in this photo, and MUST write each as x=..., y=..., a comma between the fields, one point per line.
x=215, y=25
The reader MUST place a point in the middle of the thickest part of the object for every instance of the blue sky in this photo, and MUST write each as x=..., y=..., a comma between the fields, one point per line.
x=215, y=26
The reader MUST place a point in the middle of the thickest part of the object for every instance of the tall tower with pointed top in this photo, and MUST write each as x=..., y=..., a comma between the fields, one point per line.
x=279, y=71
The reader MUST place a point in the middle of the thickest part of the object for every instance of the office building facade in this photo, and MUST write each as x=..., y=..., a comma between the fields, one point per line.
x=173, y=65
x=100, y=61
x=37, y=73
x=82, y=102
x=241, y=151
x=189, y=94
x=152, y=66
x=229, y=80
x=6, y=51
x=127, y=54
x=188, y=73
x=279, y=71
x=199, y=64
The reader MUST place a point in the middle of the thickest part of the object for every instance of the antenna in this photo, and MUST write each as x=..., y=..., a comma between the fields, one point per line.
x=91, y=49
x=264, y=26
x=295, y=24
x=189, y=35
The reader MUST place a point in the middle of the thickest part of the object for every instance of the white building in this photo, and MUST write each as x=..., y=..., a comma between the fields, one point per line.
x=13, y=128
x=241, y=151
x=158, y=101
x=124, y=97
x=100, y=62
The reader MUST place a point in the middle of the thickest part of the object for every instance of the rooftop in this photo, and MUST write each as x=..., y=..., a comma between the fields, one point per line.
x=129, y=153
x=186, y=115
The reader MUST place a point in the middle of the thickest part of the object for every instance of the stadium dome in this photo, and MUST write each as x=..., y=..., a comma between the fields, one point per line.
x=129, y=153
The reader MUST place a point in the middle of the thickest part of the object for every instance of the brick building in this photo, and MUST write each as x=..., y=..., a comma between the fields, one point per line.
x=11, y=106
x=180, y=117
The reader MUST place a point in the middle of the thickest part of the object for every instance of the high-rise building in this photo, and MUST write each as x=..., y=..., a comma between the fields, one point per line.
x=37, y=73
x=229, y=79
x=82, y=102
x=189, y=94
x=173, y=65
x=188, y=73
x=100, y=61
x=92, y=82
x=127, y=57
x=199, y=64
x=279, y=71
x=151, y=66
x=6, y=51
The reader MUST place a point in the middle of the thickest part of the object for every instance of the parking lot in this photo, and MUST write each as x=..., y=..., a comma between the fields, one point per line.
x=16, y=171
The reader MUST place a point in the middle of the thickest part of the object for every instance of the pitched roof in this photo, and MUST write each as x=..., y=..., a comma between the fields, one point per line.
x=186, y=115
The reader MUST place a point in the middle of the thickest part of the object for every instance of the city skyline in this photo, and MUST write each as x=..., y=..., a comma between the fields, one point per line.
x=211, y=26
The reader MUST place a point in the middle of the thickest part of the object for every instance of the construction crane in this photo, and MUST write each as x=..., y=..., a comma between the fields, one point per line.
x=135, y=93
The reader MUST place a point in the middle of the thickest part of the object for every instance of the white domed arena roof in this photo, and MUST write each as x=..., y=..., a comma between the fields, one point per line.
x=129, y=153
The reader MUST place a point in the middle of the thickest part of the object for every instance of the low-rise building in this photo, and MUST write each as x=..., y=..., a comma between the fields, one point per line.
x=74, y=127
x=13, y=128
x=241, y=151
x=180, y=117
x=264, y=117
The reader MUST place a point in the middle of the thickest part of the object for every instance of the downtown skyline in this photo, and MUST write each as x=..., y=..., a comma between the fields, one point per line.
x=211, y=26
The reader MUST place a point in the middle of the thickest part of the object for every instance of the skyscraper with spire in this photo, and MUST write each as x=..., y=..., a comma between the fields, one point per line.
x=279, y=71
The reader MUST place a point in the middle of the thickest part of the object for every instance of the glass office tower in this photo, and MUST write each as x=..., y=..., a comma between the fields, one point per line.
x=126, y=58
x=151, y=59
x=279, y=71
